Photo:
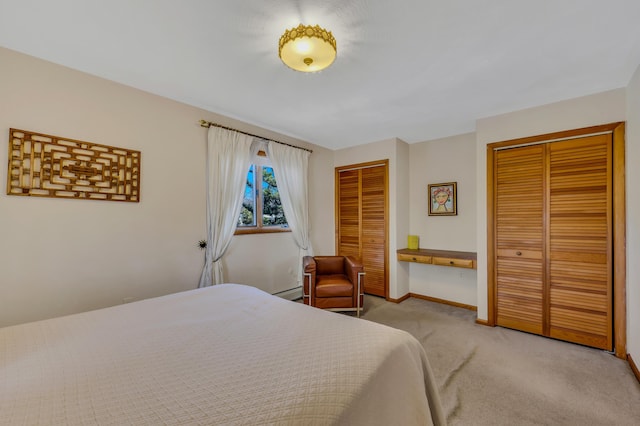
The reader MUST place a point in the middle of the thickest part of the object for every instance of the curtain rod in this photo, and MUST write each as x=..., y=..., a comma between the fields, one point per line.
x=207, y=124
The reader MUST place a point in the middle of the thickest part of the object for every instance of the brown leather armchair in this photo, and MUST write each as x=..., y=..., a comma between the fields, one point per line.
x=334, y=283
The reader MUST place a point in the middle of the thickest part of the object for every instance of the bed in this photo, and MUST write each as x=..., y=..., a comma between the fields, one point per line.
x=225, y=355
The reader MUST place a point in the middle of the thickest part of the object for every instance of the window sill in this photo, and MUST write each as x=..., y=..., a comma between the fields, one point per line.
x=247, y=231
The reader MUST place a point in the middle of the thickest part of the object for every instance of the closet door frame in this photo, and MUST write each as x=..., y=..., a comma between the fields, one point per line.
x=619, y=222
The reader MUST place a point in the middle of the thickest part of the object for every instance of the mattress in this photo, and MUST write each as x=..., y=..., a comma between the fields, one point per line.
x=223, y=355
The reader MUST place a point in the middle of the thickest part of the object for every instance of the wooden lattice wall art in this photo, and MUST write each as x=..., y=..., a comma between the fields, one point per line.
x=50, y=166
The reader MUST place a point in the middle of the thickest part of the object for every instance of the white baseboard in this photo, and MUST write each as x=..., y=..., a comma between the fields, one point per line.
x=291, y=294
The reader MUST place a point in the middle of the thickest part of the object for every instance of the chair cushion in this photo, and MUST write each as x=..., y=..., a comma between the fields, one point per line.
x=334, y=302
x=333, y=286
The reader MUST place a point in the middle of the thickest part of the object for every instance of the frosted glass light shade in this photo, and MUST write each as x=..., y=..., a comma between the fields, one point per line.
x=307, y=48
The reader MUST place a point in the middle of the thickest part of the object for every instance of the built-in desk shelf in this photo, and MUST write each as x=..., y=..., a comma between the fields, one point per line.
x=457, y=259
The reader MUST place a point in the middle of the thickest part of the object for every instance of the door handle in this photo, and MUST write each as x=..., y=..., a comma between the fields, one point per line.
x=518, y=253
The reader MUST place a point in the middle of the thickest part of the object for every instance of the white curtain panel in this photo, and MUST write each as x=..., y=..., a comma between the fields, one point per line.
x=228, y=162
x=290, y=166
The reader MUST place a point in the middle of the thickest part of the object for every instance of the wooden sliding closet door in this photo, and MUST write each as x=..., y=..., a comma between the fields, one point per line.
x=520, y=238
x=553, y=239
x=374, y=226
x=361, y=220
x=580, y=236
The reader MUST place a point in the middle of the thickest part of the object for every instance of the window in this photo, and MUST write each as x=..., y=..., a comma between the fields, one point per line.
x=261, y=195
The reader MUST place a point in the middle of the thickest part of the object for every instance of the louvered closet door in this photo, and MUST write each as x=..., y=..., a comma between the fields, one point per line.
x=348, y=209
x=374, y=229
x=580, y=229
x=361, y=220
x=519, y=233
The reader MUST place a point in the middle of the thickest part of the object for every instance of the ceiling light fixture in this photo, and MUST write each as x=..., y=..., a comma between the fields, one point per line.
x=307, y=48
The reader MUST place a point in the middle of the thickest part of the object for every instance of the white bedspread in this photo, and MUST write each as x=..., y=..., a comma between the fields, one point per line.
x=223, y=355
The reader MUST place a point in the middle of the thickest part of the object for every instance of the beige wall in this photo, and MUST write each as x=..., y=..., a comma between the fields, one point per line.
x=602, y=108
x=62, y=256
x=633, y=217
x=403, y=216
x=444, y=160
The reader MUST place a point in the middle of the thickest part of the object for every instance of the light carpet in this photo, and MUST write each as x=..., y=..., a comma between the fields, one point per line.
x=496, y=376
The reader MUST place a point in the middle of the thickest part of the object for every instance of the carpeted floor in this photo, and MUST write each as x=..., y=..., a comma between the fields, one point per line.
x=496, y=376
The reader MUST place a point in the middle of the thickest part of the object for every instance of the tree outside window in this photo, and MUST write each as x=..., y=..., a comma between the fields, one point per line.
x=261, y=195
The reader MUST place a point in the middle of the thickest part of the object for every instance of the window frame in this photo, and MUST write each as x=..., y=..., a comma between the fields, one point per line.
x=259, y=227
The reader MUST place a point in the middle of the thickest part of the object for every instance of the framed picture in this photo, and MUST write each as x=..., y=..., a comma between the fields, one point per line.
x=443, y=199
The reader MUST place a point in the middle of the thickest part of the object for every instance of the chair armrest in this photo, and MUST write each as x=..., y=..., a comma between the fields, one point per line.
x=309, y=264
x=309, y=278
x=352, y=267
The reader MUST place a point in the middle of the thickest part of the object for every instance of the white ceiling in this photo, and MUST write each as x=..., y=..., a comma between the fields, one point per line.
x=413, y=69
